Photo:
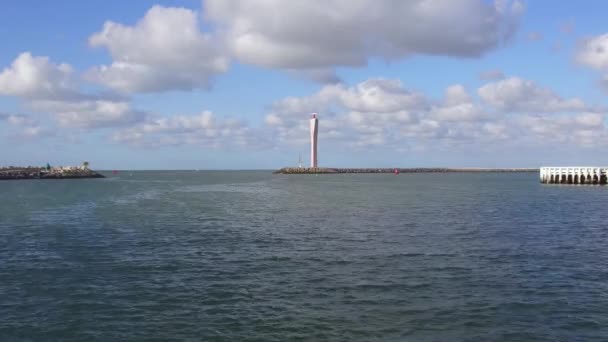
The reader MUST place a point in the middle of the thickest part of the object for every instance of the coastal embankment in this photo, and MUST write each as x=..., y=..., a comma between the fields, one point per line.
x=16, y=173
x=323, y=170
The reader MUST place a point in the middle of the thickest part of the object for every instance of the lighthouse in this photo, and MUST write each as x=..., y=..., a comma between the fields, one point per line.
x=314, y=130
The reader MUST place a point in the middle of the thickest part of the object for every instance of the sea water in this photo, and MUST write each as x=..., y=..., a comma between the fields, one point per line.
x=251, y=256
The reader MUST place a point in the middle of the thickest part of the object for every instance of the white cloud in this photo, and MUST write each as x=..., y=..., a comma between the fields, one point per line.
x=376, y=95
x=54, y=89
x=20, y=120
x=324, y=34
x=379, y=95
x=583, y=129
x=97, y=113
x=461, y=112
x=33, y=132
x=589, y=119
x=456, y=95
x=273, y=120
x=457, y=106
x=371, y=113
x=496, y=130
x=24, y=127
x=36, y=77
x=16, y=119
x=203, y=129
x=593, y=52
x=518, y=95
x=165, y=50
x=425, y=129
x=512, y=112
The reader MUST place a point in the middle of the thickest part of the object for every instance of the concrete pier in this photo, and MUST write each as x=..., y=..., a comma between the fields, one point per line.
x=574, y=175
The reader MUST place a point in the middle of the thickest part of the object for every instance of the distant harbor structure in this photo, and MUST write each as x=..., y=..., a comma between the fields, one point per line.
x=574, y=175
x=314, y=132
x=48, y=172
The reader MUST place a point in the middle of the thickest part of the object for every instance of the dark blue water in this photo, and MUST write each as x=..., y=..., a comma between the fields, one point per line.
x=250, y=256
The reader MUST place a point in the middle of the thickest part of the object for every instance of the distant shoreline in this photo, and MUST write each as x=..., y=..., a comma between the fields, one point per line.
x=304, y=170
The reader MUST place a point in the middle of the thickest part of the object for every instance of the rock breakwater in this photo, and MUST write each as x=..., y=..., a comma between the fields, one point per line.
x=320, y=170
x=16, y=173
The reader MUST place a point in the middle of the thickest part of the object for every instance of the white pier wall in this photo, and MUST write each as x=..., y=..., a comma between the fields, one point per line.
x=574, y=175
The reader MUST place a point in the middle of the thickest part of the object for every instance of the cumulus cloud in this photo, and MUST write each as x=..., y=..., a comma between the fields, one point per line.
x=371, y=113
x=53, y=88
x=379, y=95
x=34, y=132
x=36, y=77
x=593, y=52
x=98, y=113
x=550, y=125
x=583, y=129
x=24, y=126
x=456, y=95
x=457, y=106
x=376, y=95
x=518, y=95
x=165, y=50
x=324, y=34
x=168, y=49
x=203, y=129
x=388, y=114
x=16, y=119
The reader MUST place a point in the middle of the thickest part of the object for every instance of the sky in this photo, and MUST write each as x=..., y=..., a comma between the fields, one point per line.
x=231, y=84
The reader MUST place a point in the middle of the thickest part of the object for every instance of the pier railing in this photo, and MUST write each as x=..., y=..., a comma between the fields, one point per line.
x=574, y=175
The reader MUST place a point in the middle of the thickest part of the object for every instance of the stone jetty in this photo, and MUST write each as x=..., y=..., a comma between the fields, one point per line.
x=322, y=170
x=69, y=172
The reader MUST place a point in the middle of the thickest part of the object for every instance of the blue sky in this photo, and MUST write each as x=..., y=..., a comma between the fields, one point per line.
x=231, y=84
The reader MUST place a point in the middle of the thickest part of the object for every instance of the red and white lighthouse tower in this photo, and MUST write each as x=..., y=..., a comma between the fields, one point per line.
x=314, y=130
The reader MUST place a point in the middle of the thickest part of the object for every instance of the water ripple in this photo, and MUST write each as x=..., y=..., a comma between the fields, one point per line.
x=247, y=256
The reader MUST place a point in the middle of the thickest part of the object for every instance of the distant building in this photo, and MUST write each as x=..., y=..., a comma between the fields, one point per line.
x=314, y=132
